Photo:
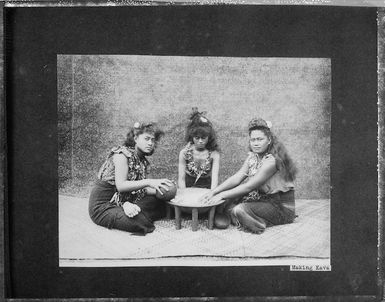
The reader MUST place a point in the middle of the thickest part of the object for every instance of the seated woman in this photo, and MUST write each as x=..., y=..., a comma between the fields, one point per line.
x=199, y=160
x=267, y=197
x=123, y=198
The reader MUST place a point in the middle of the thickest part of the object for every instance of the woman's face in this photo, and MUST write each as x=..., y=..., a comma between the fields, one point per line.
x=259, y=142
x=145, y=142
x=200, y=142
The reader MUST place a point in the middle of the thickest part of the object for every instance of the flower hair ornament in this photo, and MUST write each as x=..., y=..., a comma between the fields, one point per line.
x=138, y=125
x=259, y=122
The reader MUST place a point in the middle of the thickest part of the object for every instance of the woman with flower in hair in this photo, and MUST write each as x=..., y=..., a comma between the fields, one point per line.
x=266, y=198
x=199, y=159
x=123, y=198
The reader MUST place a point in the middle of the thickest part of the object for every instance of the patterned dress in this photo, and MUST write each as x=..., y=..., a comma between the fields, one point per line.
x=271, y=204
x=137, y=170
x=106, y=202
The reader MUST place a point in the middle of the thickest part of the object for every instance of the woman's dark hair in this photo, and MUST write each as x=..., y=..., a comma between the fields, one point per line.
x=275, y=148
x=140, y=128
x=200, y=126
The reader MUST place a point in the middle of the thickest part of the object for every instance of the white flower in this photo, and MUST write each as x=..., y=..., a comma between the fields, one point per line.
x=204, y=120
x=137, y=125
x=269, y=124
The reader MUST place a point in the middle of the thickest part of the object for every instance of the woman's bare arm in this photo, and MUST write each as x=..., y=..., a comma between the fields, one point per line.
x=266, y=171
x=181, y=171
x=125, y=185
x=215, y=169
x=233, y=180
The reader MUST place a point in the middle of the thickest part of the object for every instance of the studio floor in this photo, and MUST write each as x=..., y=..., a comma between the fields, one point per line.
x=82, y=243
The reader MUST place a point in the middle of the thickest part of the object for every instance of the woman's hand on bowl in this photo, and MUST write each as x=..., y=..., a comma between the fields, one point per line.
x=206, y=198
x=131, y=209
x=215, y=199
x=163, y=183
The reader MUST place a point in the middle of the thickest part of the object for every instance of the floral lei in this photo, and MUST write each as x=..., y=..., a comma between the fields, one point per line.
x=192, y=167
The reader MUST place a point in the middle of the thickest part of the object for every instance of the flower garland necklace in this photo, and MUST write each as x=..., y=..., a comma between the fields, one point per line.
x=193, y=168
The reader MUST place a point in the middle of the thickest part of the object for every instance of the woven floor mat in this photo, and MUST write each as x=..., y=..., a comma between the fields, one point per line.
x=80, y=238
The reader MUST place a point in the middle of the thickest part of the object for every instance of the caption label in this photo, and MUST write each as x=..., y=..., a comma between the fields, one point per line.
x=310, y=268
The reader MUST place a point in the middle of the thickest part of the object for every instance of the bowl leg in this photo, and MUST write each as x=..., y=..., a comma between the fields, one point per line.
x=211, y=217
x=178, y=222
x=194, y=219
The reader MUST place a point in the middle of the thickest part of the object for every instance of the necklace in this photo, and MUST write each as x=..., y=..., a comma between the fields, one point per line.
x=197, y=169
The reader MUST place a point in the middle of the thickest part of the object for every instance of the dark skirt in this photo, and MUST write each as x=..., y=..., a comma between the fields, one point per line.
x=203, y=182
x=268, y=210
x=112, y=216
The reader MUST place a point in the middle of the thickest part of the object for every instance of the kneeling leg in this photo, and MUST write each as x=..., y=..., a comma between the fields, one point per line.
x=256, y=216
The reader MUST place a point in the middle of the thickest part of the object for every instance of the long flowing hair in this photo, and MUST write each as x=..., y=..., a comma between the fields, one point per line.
x=199, y=125
x=283, y=160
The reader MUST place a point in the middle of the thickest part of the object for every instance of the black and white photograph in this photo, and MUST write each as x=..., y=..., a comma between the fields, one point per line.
x=217, y=114
x=191, y=151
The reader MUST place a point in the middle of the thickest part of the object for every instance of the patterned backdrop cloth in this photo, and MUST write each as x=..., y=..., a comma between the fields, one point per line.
x=80, y=239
